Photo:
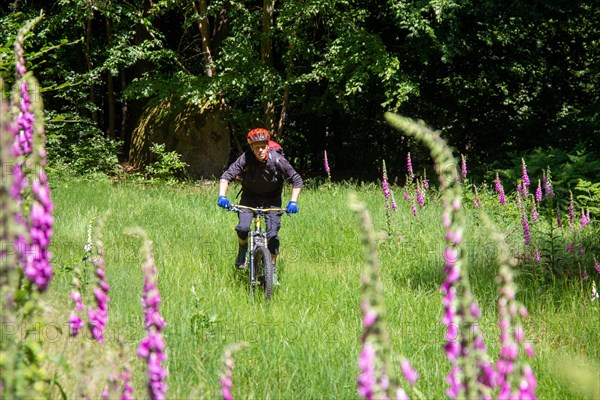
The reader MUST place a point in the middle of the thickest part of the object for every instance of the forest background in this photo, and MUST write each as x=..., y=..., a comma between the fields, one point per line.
x=502, y=80
x=154, y=89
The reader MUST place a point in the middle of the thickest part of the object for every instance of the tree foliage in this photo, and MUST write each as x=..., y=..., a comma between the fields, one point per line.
x=495, y=76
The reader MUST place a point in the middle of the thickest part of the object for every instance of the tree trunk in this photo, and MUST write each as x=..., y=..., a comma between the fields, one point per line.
x=266, y=53
x=110, y=88
x=203, y=25
x=286, y=92
x=125, y=134
x=88, y=57
x=134, y=109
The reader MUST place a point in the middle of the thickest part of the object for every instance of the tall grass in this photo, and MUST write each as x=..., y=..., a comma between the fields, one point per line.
x=305, y=342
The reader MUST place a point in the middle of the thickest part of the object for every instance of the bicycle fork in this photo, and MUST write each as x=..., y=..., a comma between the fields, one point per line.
x=251, y=259
x=253, y=244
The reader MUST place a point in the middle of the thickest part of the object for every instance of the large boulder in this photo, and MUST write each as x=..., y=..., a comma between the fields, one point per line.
x=199, y=135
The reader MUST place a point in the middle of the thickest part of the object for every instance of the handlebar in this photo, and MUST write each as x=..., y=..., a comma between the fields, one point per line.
x=256, y=210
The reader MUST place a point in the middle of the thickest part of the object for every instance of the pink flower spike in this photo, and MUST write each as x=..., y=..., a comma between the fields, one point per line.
x=571, y=208
x=409, y=167
x=409, y=373
x=326, y=165
x=401, y=394
x=76, y=323
x=369, y=318
x=529, y=349
x=526, y=181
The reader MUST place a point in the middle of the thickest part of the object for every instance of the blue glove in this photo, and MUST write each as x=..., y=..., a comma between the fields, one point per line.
x=292, y=207
x=223, y=202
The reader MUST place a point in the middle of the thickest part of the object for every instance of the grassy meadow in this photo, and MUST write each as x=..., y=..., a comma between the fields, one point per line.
x=304, y=344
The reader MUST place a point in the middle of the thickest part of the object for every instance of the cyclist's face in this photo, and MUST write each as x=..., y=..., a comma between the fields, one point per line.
x=260, y=150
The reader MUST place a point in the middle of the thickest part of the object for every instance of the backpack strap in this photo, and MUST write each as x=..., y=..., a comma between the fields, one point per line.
x=275, y=156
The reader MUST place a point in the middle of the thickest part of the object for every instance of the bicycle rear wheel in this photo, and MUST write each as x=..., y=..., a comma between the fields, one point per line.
x=264, y=268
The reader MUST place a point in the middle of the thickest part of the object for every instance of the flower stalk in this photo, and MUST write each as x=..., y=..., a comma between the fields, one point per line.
x=374, y=381
x=152, y=347
x=515, y=378
x=471, y=375
x=228, y=362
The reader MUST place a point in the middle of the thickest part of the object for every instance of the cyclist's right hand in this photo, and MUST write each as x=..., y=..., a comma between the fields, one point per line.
x=223, y=202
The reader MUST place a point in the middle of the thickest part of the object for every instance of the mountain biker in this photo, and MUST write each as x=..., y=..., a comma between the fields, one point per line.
x=262, y=172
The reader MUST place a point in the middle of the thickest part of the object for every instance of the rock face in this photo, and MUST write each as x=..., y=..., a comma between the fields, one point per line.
x=200, y=136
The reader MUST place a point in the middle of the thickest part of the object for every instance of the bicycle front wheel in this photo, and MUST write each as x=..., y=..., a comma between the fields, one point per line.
x=264, y=267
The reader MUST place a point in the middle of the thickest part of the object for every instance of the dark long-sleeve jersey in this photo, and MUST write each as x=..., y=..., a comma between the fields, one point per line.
x=262, y=179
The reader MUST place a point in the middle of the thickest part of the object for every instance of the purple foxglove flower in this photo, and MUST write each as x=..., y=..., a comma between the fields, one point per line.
x=455, y=237
x=596, y=266
x=25, y=121
x=525, y=177
x=409, y=373
x=584, y=220
x=409, y=167
x=75, y=322
x=538, y=192
x=326, y=165
x=477, y=202
x=20, y=65
x=420, y=195
x=498, y=187
x=414, y=208
x=401, y=394
x=37, y=266
x=152, y=347
x=548, y=190
x=519, y=333
x=385, y=187
x=455, y=382
x=369, y=318
x=526, y=232
x=98, y=317
x=127, y=392
x=76, y=297
x=394, y=205
x=463, y=166
x=534, y=213
x=227, y=377
x=509, y=368
x=366, y=380
x=530, y=380
x=528, y=349
x=571, y=208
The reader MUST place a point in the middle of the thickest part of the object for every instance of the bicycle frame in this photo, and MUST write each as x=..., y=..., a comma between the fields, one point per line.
x=257, y=239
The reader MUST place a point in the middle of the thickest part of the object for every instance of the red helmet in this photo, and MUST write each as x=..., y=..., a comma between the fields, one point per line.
x=258, y=135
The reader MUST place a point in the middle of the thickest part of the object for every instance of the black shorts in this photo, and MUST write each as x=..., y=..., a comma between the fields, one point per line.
x=272, y=220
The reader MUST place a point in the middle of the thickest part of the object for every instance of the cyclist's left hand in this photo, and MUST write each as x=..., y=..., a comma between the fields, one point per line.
x=292, y=207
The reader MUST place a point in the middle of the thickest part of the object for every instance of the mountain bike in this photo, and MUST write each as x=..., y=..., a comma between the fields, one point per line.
x=258, y=256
